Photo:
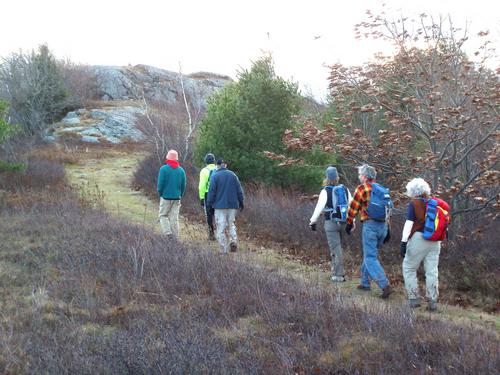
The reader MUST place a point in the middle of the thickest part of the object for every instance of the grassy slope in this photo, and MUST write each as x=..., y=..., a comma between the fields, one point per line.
x=109, y=180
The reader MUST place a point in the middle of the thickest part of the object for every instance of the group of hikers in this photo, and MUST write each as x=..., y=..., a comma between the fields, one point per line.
x=372, y=202
x=221, y=196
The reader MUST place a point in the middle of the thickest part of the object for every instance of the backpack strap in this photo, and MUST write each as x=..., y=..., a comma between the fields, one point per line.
x=329, y=196
x=210, y=172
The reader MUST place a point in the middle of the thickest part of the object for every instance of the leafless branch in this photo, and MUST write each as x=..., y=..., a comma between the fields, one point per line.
x=477, y=208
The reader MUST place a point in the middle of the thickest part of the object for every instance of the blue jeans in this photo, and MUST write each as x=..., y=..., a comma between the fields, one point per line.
x=373, y=234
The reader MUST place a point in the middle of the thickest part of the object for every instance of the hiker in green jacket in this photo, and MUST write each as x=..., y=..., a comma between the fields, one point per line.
x=171, y=188
x=203, y=186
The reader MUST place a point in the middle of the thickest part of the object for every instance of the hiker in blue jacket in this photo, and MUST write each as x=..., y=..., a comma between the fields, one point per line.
x=333, y=202
x=225, y=196
x=171, y=188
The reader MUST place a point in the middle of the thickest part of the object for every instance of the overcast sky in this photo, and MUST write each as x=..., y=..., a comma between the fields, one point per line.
x=220, y=36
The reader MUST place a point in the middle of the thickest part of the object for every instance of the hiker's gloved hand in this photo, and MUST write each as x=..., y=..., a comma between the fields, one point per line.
x=202, y=202
x=348, y=229
x=312, y=226
x=402, y=249
x=241, y=206
x=387, y=236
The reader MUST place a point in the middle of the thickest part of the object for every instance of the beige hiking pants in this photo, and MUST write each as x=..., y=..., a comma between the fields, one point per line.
x=418, y=250
x=169, y=216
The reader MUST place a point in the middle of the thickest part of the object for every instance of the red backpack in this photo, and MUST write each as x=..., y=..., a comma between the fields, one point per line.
x=437, y=219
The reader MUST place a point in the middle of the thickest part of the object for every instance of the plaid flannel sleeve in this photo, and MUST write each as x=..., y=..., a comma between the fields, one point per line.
x=355, y=205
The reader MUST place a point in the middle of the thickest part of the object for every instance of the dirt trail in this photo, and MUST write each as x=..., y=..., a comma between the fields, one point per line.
x=110, y=178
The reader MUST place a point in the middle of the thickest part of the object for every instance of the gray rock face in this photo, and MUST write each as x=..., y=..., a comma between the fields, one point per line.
x=117, y=124
x=113, y=125
x=134, y=82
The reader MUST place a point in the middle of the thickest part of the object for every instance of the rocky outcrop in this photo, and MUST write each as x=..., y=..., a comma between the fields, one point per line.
x=108, y=124
x=123, y=90
x=136, y=82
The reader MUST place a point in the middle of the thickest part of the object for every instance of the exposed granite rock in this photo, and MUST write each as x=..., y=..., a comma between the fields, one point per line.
x=113, y=125
x=134, y=82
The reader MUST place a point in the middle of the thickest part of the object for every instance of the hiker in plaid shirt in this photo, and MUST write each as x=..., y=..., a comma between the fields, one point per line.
x=374, y=233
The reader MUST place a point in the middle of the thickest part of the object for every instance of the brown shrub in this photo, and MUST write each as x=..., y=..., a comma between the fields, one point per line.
x=39, y=175
x=81, y=83
x=109, y=297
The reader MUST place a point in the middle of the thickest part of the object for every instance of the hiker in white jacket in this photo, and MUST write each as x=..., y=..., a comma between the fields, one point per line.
x=333, y=202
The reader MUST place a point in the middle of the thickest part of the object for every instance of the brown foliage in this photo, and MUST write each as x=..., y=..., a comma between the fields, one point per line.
x=427, y=111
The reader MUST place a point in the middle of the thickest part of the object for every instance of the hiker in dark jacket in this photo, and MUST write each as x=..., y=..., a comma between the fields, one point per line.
x=171, y=188
x=416, y=249
x=225, y=196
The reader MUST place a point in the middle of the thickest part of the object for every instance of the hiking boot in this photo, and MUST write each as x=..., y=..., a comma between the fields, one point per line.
x=211, y=236
x=414, y=303
x=363, y=287
x=233, y=246
x=338, y=279
x=432, y=306
x=386, y=292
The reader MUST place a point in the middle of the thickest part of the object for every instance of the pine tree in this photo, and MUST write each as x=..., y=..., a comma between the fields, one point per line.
x=249, y=117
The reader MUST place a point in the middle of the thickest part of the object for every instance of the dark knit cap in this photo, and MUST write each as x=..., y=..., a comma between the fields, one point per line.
x=209, y=158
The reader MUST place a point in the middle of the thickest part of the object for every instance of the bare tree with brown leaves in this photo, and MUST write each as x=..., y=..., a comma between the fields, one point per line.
x=426, y=111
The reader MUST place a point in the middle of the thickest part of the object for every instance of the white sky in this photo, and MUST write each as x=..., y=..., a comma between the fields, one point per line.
x=219, y=36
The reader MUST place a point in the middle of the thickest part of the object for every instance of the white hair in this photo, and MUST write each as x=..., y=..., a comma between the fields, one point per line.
x=417, y=187
x=367, y=171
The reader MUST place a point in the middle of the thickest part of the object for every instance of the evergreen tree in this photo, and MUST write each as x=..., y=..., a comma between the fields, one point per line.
x=247, y=118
